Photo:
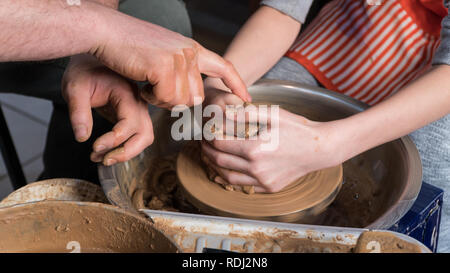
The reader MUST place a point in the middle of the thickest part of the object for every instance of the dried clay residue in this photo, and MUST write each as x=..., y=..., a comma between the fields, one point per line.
x=287, y=241
x=60, y=226
x=384, y=242
x=160, y=190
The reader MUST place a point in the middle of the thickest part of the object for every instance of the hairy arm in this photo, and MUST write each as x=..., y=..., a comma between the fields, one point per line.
x=260, y=43
x=47, y=29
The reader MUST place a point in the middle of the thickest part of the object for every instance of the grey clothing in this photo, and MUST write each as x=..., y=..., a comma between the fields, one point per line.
x=170, y=14
x=433, y=143
x=442, y=54
x=297, y=9
x=289, y=70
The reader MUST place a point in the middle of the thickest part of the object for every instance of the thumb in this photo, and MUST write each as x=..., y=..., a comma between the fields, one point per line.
x=215, y=66
x=78, y=97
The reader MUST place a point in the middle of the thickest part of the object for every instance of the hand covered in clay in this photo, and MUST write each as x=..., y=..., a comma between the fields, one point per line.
x=89, y=84
x=303, y=146
x=171, y=63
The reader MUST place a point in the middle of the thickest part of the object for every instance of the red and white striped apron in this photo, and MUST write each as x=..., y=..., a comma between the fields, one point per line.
x=370, y=51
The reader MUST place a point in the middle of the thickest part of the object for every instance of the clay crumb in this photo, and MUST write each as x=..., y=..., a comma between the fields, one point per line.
x=60, y=228
x=120, y=229
x=248, y=189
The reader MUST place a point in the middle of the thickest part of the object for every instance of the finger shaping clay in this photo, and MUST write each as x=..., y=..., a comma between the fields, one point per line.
x=243, y=131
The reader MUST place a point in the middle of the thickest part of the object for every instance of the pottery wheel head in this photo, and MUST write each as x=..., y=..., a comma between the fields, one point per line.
x=301, y=200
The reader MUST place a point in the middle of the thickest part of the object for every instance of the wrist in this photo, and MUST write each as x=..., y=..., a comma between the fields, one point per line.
x=81, y=62
x=341, y=140
x=97, y=20
x=356, y=134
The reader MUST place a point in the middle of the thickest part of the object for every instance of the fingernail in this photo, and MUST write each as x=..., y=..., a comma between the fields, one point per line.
x=99, y=148
x=110, y=162
x=249, y=98
x=80, y=132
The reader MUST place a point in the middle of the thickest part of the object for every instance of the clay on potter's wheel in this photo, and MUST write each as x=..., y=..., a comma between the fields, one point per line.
x=308, y=195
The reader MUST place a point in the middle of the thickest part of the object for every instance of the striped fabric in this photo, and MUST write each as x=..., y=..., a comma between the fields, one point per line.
x=367, y=51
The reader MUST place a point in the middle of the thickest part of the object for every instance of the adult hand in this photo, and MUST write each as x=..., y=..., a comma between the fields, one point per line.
x=89, y=84
x=170, y=62
x=303, y=146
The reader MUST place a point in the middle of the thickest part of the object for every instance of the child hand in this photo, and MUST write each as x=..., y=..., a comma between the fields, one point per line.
x=302, y=146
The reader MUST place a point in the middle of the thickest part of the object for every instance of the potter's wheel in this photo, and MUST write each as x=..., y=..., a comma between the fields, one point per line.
x=300, y=201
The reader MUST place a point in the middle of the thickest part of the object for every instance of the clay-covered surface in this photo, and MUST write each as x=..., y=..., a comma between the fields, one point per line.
x=66, y=189
x=384, y=242
x=62, y=226
x=193, y=232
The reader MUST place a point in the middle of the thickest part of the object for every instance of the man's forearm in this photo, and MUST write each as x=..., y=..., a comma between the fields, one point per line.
x=114, y=4
x=47, y=29
x=418, y=104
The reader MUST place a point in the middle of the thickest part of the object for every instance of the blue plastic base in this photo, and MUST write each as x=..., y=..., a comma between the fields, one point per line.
x=422, y=220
